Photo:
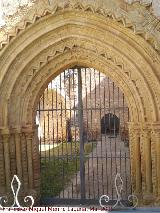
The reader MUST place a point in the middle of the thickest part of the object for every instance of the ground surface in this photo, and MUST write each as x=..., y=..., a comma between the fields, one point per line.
x=108, y=158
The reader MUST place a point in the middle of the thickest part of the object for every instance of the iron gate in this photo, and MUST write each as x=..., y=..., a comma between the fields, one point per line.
x=83, y=133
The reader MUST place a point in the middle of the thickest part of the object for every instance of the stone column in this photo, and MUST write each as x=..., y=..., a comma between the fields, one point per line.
x=2, y=168
x=138, y=163
x=18, y=135
x=132, y=159
x=19, y=155
x=29, y=138
x=145, y=141
x=30, y=135
x=135, y=156
x=156, y=163
x=24, y=161
x=157, y=142
x=12, y=146
x=5, y=138
x=148, y=161
x=36, y=160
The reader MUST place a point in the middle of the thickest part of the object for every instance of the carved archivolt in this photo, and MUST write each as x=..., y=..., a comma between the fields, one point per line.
x=70, y=37
x=75, y=51
x=135, y=16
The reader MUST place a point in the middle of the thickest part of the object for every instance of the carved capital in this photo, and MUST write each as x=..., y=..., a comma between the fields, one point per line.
x=134, y=125
x=146, y=130
x=5, y=131
x=16, y=130
x=134, y=130
x=145, y=133
x=156, y=129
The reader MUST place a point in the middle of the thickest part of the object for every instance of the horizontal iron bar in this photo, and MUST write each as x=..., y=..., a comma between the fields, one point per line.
x=52, y=201
x=77, y=157
x=116, y=108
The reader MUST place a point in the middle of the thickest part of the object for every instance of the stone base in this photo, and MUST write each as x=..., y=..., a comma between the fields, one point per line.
x=157, y=201
x=149, y=200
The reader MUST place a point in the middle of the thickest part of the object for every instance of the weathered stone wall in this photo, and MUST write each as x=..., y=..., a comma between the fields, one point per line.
x=154, y=5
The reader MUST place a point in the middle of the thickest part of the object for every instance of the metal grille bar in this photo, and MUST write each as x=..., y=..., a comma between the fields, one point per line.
x=83, y=136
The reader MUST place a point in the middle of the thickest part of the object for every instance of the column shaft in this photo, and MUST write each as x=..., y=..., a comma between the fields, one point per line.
x=24, y=161
x=7, y=161
x=18, y=155
x=135, y=155
x=157, y=140
x=2, y=168
x=132, y=159
x=29, y=157
x=148, y=165
x=138, y=165
x=147, y=161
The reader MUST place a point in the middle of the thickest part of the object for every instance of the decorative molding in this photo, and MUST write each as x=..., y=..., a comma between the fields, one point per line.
x=78, y=54
x=74, y=46
x=138, y=18
x=118, y=182
x=15, y=195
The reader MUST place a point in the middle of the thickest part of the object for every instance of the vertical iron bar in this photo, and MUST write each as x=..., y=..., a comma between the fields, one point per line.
x=52, y=120
x=123, y=112
x=105, y=97
x=74, y=121
x=109, y=97
x=88, y=179
x=80, y=110
x=90, y=127
x=46, y=189
x=67, y=124
x=87, y=126
x=57, y=123
x=70, y=113
x=100, y=113
x=61, y=116
x=126, y=173
x=72, y=190
x=86, y=92
x=63, y=175
x=48, y=141
x=106, y=141
x=97, y=175
x=93, y=180
x=107, y=171
x=120, y=161
x=40, y=141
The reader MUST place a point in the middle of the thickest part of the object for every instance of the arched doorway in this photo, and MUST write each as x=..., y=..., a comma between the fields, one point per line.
x=110, y=124
x=82, y=168
x=29, y=61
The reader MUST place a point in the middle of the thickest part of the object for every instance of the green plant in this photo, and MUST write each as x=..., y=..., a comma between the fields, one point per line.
x=56, y=174
x=58, y=166
x=88, y=148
